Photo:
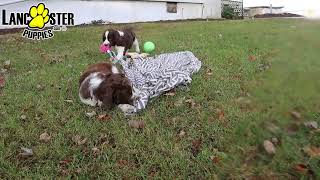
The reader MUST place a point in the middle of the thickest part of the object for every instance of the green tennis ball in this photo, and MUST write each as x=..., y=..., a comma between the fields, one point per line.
x=148, y=47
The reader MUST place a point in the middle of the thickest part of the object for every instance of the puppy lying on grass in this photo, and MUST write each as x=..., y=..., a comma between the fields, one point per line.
x=103, y=85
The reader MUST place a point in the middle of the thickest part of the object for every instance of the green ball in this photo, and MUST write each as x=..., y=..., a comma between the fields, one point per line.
x=148, y=47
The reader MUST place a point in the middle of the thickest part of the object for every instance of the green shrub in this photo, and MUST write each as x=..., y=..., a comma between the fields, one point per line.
x=228, y=12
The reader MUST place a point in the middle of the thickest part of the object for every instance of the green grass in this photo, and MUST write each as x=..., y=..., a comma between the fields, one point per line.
x=290, y=48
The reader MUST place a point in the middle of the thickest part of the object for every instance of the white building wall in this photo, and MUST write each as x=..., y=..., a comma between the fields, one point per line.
x=256, y=11
x=123, y=11
x=212, y=9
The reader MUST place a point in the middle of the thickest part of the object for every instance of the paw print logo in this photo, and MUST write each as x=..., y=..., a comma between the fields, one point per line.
x=39, y=15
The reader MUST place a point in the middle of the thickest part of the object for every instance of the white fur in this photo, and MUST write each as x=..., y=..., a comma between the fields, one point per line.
x=121, y=33
x=94, y=83
x=120, y=50
x=106, y=41
x=136, y=45
x=88, y=101
x=114, y=70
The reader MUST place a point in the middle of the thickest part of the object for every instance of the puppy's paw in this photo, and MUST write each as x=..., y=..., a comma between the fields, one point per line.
x=134, y=55
x=144, y=55
x=127, y=109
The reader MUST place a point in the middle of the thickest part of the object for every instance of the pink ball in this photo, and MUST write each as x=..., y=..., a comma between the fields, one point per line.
x=104, y=48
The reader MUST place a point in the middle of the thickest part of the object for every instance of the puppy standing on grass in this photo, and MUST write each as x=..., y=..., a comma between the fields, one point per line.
x=121, y=40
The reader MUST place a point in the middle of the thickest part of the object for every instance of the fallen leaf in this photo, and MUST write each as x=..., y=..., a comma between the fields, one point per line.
x=40, y=87
x=136, y=124
x=182, y=133
x=104, y=117
x=196, y=147
x=243, y=101
x=26, y=152
x=220, y=113
x=65, y=162
x=179, y=103
x=68, y=101
x=191, y=103
x=23, y=117
x=218, y=92
x=275, y=141
x=2, y=81
x=303, y=169
x=78, y=140
x=215, y=159
x=300, y=168
x=269, y=147
x=154, y=170
x=45, y=137
x=122, y=163
x=78, y=170
x=91, y=114
x=271, y=127
x=311, y=124
x=295, y=115
x=170, y=94
x=63, y=172
x=95, y=150
x=209, y=72
x=312, y=151
x=264, y=66
x=7, y=64
x=252, y=58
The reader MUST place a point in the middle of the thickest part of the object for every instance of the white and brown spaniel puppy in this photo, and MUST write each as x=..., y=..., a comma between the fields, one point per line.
x=103, y=85
x=122, y=41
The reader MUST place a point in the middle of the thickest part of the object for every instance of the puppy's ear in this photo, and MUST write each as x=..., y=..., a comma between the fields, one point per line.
x=105, y=76
x=118, y=81
x=113, y=37
x=107, y=99
x=104, y=36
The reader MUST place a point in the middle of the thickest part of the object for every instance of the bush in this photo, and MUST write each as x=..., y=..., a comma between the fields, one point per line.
x=228, y=12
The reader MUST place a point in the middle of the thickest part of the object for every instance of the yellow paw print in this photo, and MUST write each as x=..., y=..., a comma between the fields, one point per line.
x=39, y=16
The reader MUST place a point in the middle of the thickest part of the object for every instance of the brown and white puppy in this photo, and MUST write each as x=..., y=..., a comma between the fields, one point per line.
x=103, y=85
x=122, y=41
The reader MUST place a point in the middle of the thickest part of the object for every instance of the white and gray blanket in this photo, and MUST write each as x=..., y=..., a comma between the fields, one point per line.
x=153, y=76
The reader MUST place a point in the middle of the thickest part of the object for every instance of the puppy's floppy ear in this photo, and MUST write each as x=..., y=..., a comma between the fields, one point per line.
x=107, y=75
x=113, y=37
x=118, y=80
x=104, y=36
x=107, y=98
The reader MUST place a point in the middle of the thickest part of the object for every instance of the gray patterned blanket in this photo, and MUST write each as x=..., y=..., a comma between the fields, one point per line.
x=153, y=76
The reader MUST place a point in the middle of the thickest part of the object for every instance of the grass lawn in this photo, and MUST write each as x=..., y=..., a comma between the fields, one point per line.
x=259, y=81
